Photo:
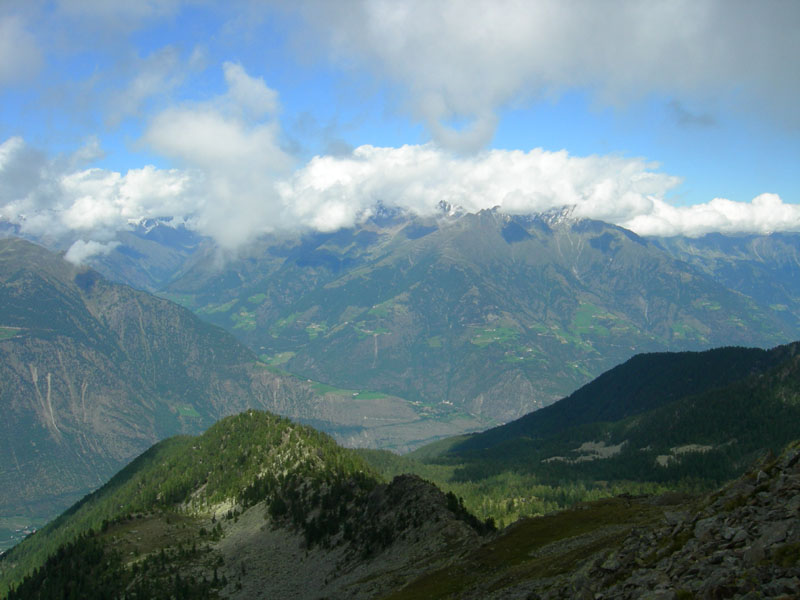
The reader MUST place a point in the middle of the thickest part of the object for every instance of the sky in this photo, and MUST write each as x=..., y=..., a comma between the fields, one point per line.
x=243, y=117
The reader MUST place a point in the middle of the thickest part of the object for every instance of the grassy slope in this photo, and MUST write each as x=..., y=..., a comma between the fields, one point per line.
x=530, y=548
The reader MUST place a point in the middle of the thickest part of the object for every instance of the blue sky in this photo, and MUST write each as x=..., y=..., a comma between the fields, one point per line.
x=243, y=117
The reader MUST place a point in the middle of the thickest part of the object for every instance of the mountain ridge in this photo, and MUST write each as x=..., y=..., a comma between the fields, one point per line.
x=291, y=485
x=674, y=375
x=421, y=305
x=742, y=403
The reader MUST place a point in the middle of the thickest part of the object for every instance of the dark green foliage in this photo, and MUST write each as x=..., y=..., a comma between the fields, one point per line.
x=332, y=497
x=731, y=404
x=456, y=505
x=499, y=494
x=641, y=384
x=86, y=568
x=154, y=525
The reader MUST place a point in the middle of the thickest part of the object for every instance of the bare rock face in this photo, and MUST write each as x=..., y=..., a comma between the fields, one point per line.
x=400, y=531
x=740, y=542
x=744, y=542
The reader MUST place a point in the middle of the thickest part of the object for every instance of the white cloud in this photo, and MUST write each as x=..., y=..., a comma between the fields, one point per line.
x=101, y=200
x=250, y=93
x=766, y=213
x=467, y=59
x=20, y=55
x=331, y=192
x=229, y=148
x=20, y=168
x=82, y=250
x=56, y=199
x=231, y=145
x=205, y=138
x=232, y=193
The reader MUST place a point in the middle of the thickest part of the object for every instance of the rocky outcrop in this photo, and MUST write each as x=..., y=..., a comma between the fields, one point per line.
x=397, y=532
x=742, y=542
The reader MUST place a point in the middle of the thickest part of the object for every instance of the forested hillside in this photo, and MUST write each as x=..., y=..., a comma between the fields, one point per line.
x=260, y=506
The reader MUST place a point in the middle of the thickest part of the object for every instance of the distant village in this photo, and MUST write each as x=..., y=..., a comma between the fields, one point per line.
x=14, y=537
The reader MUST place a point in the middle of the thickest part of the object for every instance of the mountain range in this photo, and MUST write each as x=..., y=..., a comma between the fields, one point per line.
x=400, y=331
x=686, y=421
x=664, y=417
x=765, y=268
x=485, y=316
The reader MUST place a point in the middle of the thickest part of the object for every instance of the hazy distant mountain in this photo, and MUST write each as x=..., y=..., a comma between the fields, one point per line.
x=764, y=267
x=149, y=255
x=486, y=313
x=93, y=373
x=475, y=319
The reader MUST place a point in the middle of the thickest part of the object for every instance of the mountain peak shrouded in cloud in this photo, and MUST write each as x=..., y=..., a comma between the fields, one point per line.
x=231, y=147
x=237, y=185
x=669, y=118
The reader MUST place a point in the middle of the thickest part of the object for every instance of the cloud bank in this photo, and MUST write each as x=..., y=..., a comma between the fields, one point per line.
x=20, y=56
x=332, y=192
x=51, y=200
x=467, y=60
x=766, y=213
x=231, y=191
